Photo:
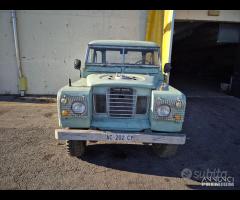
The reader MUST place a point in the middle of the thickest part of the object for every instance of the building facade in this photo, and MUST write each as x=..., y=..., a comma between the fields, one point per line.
x=49, y=41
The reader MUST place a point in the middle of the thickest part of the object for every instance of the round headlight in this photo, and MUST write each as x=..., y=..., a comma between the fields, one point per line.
x=163, y=110
x=78, y=107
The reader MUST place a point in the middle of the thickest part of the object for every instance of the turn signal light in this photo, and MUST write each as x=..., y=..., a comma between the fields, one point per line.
x=65, y=113
x=177, y=117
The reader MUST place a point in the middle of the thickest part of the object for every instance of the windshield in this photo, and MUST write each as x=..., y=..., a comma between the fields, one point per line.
x=123, y=56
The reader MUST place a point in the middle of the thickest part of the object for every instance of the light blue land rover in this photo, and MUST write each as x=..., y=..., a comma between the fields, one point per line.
x=121, y=96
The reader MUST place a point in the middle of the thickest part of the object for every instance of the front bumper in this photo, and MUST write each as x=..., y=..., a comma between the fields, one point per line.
x=97, y=135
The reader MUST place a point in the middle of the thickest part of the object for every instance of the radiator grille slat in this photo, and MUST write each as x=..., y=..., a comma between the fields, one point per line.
x=121, y=102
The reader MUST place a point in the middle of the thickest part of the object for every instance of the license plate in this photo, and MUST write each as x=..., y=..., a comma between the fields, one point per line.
x=119, y=137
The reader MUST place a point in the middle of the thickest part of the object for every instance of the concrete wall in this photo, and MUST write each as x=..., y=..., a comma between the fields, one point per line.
x=50, y=40
x=8, y=65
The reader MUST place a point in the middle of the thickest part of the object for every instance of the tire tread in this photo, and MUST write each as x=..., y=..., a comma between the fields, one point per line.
x=76, y=148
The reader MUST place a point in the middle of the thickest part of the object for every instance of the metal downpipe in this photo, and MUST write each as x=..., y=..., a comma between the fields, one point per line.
x=22, y=79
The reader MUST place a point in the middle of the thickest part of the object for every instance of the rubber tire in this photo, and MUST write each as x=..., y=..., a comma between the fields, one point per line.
x=165, y=150
x=76, y=148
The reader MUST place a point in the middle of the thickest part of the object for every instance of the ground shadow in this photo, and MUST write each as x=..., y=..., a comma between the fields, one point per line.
x=132, y=158
x=213, y=141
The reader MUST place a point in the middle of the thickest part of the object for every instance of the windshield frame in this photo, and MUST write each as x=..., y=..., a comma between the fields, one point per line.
x=123, y=48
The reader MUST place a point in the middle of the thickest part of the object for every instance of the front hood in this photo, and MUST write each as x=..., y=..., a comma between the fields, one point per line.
x=133, y=80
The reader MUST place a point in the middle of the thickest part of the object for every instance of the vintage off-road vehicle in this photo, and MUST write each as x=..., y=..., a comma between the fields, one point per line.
x=121, y=96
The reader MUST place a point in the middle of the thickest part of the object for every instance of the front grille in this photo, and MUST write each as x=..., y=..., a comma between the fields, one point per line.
x=121, y=102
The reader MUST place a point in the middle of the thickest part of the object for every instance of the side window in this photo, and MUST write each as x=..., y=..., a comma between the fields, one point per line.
x=90, y=56
x=149, y=58
x=95, y=56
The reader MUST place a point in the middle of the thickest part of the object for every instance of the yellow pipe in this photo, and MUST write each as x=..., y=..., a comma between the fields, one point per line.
x=23, y=83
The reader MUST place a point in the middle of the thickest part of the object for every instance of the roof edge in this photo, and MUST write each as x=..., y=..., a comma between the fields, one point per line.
x=132, y=43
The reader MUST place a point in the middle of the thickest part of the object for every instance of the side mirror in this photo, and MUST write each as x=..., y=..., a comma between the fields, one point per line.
x=77, y=64
x=167, y=67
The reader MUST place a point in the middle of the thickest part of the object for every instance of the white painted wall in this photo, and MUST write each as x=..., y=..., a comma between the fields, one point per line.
x=50, y=40
x=8, y=65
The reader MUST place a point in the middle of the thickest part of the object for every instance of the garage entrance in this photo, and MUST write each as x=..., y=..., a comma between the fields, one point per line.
x=205, y=58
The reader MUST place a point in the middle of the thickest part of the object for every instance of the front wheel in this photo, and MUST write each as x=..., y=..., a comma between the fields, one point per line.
x=165, y=150
x=76, y=148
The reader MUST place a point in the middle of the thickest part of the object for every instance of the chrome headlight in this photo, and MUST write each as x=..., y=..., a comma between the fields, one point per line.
x=163, y=110
x=78, y=107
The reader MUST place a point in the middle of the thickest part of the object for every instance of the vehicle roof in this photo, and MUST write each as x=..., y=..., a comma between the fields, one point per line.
x=123, y=43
